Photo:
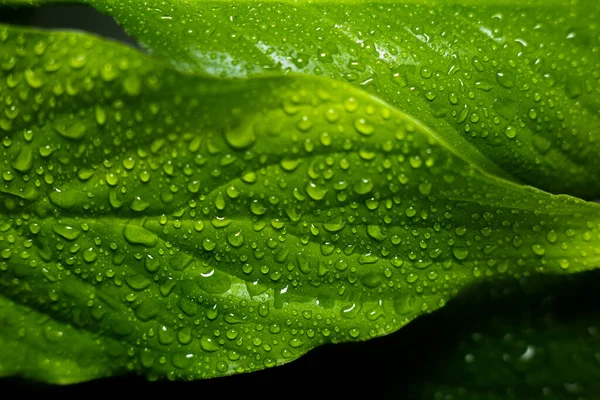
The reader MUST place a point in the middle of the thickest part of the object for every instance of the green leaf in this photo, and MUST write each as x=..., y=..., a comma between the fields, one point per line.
x=512, y=85
x=540, y=340
x=187, y=227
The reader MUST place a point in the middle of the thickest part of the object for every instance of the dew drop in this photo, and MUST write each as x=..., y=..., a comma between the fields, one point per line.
x=23, y=162
x=510, y=131
x=240, y=139
x=235, y=239
x=363, y=127
x=538, y=249
x=316, y=192
x=136, y=234
x=460, y=253
x=137, y=204
x=374, y=231
x=32, y=79
x=208, y=344
x=67, y=232
x=73, y=131
x=363, y=186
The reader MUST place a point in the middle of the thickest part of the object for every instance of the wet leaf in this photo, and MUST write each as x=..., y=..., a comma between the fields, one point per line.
x=511, y=84
x=177, y=226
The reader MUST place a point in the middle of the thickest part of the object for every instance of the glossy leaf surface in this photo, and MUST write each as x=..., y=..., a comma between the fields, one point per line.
x=185, y=227
x=512, y=85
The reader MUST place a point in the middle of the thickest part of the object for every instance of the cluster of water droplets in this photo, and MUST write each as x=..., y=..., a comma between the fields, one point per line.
x=203, y=227
x=516, y=83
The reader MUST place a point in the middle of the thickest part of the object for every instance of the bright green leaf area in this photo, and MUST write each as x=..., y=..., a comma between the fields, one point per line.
x=175, y=226
x=534, y=340
x=513, y=85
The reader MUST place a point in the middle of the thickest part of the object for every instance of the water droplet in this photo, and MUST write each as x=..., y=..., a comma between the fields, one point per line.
x=334, y=225
x=453, y=98
x=208, y=344
x=510, y=131
x=208, y=244
x=33, y=79
x=410, y=212
x=73, y=131
x=505, y=79
x=23, y=162
x=112, y=179
x=551, y=236
x=151, y=264
x=100, y=114
x=67, y=232
x=374, y=231
x=138, y=282
x=362, y=126
x=137, y=234
x=425, y=188
x=132, y=85
x=538, y=249
x=147, y=310
x=165, y=335
x=290, y=164
x=371, y=280
x=257, y=207
x=240, y=139
x=573, y=87
x=235, y=239
x=532, y=113
x=363, y=186
x=137, y=204
x=78, y=61
x=249, y=177
x=460, y=253
x=316, y=192
x=304, y=124
x=426, y=73
x=89, y=255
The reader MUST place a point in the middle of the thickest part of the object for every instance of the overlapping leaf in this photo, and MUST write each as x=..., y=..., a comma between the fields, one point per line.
x=171, y=225
x=513, y=85
x=540, y=341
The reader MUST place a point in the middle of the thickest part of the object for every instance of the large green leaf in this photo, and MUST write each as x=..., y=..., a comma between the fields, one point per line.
x=171, y=225
x=541, y=341
x=512, y=84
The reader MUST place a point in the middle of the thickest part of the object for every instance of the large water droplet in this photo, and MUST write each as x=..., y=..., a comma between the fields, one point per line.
x=316, y=192
x=75, y=130
x=137, y=234
x=208, y=344
x=66, y=231
x=240, y=138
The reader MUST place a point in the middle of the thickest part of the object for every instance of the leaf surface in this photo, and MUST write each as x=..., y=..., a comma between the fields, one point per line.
x=512, y=85
x=187, y=227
